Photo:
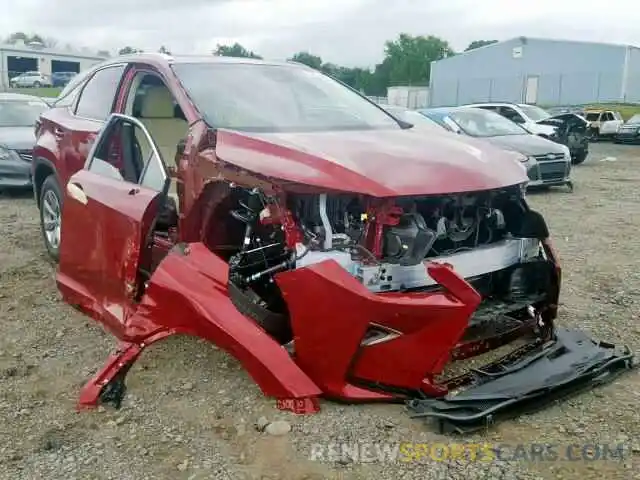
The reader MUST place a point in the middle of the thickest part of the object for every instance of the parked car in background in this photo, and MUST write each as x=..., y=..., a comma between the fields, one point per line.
x=629, y=132
x=548, y=163
x=60, y=79
x=30, y=80
x=18, y=115
x=603, y=123
x=566, y=128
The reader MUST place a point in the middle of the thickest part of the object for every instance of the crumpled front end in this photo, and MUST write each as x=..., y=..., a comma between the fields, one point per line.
x=383, y=318
x=370, y=299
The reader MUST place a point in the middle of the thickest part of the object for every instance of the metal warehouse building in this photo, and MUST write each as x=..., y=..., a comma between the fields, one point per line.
x=19, y=58
x=538, y=71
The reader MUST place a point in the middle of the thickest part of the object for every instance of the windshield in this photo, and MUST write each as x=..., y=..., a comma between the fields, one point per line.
x=635, y=120
x=411, y=116
x=483, y=123
x=535, y=113
x=418, y=119
x=276, y=98
x=20, y=113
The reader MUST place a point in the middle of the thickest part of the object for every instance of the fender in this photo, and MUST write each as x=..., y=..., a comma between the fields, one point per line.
x=41, y=168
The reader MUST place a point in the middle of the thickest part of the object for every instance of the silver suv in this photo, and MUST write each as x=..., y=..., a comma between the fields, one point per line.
x=31, y=79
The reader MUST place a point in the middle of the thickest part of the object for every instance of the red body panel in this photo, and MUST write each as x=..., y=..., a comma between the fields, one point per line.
x=100, y=255
x=65, y=141
x=380, y=163
x=432, y=325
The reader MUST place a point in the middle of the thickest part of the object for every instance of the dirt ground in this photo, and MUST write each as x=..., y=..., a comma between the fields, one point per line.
x=190, y=411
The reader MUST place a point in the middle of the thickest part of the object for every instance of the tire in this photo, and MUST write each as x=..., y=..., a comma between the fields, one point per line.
x=50, y=195
x=580, y=157
x=36, y=84
x=594, y=134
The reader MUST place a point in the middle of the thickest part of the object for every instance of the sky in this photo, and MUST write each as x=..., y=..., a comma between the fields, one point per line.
x=346, y=32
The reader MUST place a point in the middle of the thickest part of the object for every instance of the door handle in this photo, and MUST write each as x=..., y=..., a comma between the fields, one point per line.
x=76, y=192
x=133, y=191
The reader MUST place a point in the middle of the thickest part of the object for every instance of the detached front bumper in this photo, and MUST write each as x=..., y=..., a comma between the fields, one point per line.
x=570, y=363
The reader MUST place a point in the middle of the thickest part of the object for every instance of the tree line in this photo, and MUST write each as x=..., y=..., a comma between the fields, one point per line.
x=406, y=61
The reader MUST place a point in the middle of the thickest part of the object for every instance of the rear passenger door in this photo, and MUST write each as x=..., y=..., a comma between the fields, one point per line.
x=89, y=111
x=110, y=208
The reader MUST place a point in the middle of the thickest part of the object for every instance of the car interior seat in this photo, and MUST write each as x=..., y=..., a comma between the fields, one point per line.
x=157, y=114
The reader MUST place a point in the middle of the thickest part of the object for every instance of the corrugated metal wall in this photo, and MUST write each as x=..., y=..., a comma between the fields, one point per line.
x=567, y=73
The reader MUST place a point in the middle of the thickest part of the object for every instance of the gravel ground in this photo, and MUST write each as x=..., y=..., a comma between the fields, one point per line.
x=191, y=411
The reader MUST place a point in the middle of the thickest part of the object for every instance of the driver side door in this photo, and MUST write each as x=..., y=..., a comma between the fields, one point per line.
x=110, y=208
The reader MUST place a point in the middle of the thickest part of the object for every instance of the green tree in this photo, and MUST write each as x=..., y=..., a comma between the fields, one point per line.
x=129, y=50
x=479, y=43
x=164, y=50
x=408, y=59
x=307, y=59
x=235, y=50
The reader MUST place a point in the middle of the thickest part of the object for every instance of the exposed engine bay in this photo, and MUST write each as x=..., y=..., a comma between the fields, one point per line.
x=385, y=245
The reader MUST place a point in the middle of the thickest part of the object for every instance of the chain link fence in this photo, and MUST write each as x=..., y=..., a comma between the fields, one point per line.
x=543, y=89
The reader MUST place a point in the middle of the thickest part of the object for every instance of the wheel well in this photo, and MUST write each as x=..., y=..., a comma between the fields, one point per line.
x=41, y=173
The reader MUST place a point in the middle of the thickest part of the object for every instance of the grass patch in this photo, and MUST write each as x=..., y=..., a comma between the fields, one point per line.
x=50, y=92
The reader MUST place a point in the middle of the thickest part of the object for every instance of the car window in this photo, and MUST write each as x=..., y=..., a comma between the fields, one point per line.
x=98, y=95
x=593, y=116
x=534, y=112
x=411, y=116
x=482, y=123
x=125, y=152
x=607, y=117
x=450, y=124
x=277, y=98
x=511, y=114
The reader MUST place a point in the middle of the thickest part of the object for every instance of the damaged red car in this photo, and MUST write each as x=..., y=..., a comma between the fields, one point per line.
x=329, y=248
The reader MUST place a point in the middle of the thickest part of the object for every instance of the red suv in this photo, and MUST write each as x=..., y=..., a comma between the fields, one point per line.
x=330, y=248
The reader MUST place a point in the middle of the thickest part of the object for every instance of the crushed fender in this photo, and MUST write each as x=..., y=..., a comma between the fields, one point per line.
x=570, y=363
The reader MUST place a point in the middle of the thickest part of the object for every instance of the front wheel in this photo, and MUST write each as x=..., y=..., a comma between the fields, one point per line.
x=580, y=157
x=51, y=215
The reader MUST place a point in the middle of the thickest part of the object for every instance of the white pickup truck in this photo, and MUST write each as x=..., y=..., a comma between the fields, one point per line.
x=603, y=123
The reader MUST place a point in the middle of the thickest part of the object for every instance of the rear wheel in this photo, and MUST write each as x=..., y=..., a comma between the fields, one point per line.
x=580, y=157
x=51, y=215
x=37, y=84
